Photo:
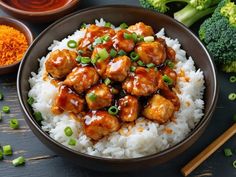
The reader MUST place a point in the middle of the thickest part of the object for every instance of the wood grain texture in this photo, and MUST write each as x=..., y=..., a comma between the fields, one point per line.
x=42, y=162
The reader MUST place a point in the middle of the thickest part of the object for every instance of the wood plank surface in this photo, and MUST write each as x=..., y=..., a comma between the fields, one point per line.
x=42, y=162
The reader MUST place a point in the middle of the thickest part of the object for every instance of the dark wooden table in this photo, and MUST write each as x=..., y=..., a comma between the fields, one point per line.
x=42, y=162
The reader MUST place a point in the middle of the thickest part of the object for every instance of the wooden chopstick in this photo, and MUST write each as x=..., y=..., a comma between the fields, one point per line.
x=193, y=164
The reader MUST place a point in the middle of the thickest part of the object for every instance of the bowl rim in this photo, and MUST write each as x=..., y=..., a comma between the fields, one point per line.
x=29, y=34
x=200, y=125
x=67, y=6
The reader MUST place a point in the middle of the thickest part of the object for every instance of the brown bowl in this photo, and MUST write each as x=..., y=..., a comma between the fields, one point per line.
x=44, y=16
x=22, y=28
x=116, y=15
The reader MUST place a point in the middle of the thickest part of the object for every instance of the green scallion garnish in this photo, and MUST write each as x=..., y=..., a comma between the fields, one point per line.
x=148, y=38
x=232, y=79
x=113, y=53
x=232, y=96
x=107, y=24
x=167, y=80
x=0, y=116
x=72, y=44
x=1, y=96
x=18, y=161
x=90, y=47
x=170, y=64
x=150, y=65
x=132, y=68
x=83, y=25
x=140, y=38
x=85, y=60
x=7, y=150
x=135, y=37
x=134, y=56
x=102, y=54
x=38, y=116
x=123, y=26
x=107, y=81
x=6, y=109
x=97, y=41
x=68, y=131
x=80, y=52
x=1, y=155
x=72, y=142
x=78, y=59
x=105, y=38
x=121, y=52
x=113, y=110
x=234, y=164
x=127, y=36
x=92, y=96
x=30, y=100
x=228, y=152
x=140, y=63
x=14, y=123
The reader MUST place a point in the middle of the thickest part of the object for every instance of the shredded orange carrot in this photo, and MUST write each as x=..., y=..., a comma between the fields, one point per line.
x=13, y=45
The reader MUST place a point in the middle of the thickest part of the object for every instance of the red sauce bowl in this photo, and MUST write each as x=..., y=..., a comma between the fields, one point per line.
x=38, y=11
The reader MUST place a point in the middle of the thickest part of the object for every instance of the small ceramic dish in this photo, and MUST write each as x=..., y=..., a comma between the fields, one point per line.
x=35, y=14
x=22, y=28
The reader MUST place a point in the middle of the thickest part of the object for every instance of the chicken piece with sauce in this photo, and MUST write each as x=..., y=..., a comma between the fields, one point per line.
x=67, y=100
x=60, y=63
x=81, y=78
x=142, y=82
x=159, y=109
x=98, y=124
x=99, y=96
x=118, y=68
x=151, y=52
x=141, y=29
x=129, y=108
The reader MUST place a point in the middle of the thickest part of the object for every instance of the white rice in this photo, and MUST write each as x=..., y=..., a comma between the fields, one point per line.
x=145, y=137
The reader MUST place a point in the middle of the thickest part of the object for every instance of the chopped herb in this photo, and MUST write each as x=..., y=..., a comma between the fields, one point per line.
x=113, y=110
x=30, y=100
x=134, y=56
x=113, y=53
x=92, y=96
x=135, y=37
x=123, y=26
x=148, y=39
x=18, y=161
x=72, y=44
x=107, y=81
x=127, y=36
x=83, y=25
x=90, y=47
x=114, y=91
x=150, y=65
x=1, y=96
x=0, y=116
x=68, y=131
x=232, y=96
x=72, y=142
x=1, y=155
x=105, y=38
x=78, y=59
x=132, y=68
x=170, y=64
x=85, y=60
x=234, y=164
x=232, y=79
x=102, y=54
x=14, y=123
x=140, y=38
x=38, y=116
x=121, y=52
x=7, y=150
x=97, y=41
x=80, y=52
x=167, y=80
x=6, y=109
x=140, y=63
x=228, y=152
x=107, y=24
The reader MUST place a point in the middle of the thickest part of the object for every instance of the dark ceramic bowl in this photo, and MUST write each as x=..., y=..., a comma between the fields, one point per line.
x=116, y=15
x=22, y=28
x=44, y=16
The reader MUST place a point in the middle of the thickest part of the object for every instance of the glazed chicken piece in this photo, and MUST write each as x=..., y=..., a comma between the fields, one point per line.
x=99, y=96
x=129, y=108
x=120, y=43
x=141, y=29
x=142, y=82
x=170, y=53
x=151, y=52
x=159, y=109
x=67, y=100
x=118, y=68
x=98, y=124
x=93, y=32
x=170, y=73
x=60, y=63
x=82, y=78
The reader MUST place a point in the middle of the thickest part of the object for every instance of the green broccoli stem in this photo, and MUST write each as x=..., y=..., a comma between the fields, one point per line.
x=189, y=15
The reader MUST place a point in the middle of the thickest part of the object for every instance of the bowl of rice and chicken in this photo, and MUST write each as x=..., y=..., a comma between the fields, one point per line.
x=117, y=88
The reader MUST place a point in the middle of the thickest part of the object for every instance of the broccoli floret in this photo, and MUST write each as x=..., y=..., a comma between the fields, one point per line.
x=218, y=33
x=192, y=12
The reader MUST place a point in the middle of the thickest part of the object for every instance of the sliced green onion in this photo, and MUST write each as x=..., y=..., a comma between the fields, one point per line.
x=121, y=52
x=134, y=56
x=170, y=64
x=103, y=54
x=140, y=63
x=94, y=60
x=113, y=110
x=123, y=26
x=135, y=37
x=105, y=38
x=107, y=81
x=155, y=69
x=7, y=150
x=30, y=101
x=150, y=65
x=6, y=109
x=114, y=91
x=78, y=59
x=234, y=164
x=90, y=47
x=92, y=96
x=132, y=68
x=107, y=24
x=83, y=25
x=113, y=53
x=68, y=131
x=72, y=44
x=1, y=155
x=18, y=161
x=38, y=116
x=148, y=38
x=0, y=116
x=14, y=123
x=128, y=36
x=80, y=52
x=232, y=96
x=228, y=152
x=97, y=41
x=85, y=60
x=1, y=96
x=232, y=79
x=72, y=142
x=140, y=38
x=234, y=117
x=167, y=80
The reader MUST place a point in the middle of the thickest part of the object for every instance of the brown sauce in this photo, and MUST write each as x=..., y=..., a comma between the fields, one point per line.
x=36, y=5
